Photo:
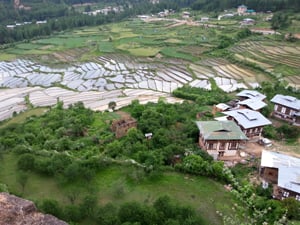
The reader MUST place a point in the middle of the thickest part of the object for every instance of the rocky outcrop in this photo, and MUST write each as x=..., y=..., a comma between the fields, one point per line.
x=18, y=211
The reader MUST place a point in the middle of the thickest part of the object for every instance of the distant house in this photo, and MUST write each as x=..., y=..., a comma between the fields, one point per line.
x=251, y=99
x=220, y=138
x=247, y=21
x=204, y=19
x=121, y=126
x=283, y=172
x=251, y=122
x=242, y=9
x=287, y=108
x=186, y=14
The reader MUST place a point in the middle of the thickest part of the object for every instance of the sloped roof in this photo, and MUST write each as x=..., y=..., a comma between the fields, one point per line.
x=251, y=94
x=289, y=178
x=254, y=104
x=288, y=169
x=277, y=160
x=222, y=106
x=220, y=130
x=287, y=100
x=248, y=118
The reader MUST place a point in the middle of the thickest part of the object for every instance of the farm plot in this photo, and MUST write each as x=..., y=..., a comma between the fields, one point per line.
x=114, y=72
x=227, y=76
x=272, y=57
x=13, y=100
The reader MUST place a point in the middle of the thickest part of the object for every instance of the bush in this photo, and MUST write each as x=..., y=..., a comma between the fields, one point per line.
x=52, y=207
x=26, y=162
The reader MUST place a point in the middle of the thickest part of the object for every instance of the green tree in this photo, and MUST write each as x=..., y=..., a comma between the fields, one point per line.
x=112, y=105
x=280, y=21
x=72, y=213
x=52, y=207
x=293, y=208
x=107, y=215
x=26, y=162
x=22, y=179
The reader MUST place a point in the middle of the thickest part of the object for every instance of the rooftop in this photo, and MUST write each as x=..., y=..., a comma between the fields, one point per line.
x=287, y=101
x=277, y=160
x=288, y=169
x=254, y=104
x=220, y=130
x=222, y=106
x=251, y=94
x=248, y=118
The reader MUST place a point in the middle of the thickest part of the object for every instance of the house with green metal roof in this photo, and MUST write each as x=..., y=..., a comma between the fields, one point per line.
x=220, y=138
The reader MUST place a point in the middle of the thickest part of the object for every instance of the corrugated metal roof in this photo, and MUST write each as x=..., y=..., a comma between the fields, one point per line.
x=220, y=130
x=251, y=94
x=288, y=169
x=286, y=100
x=248, y=118
x=277, y=160
x=254, y=104
x=222, y=106
x=289, y=178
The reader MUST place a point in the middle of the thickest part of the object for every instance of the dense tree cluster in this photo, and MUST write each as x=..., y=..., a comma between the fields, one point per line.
x=201, y=96
x=163, y=211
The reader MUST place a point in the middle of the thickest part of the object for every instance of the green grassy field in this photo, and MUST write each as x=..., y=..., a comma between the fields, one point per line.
x=118, y=184
x=20, y=118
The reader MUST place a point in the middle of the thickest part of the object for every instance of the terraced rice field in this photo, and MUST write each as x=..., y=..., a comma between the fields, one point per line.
x=114, y=77
x=283, y=61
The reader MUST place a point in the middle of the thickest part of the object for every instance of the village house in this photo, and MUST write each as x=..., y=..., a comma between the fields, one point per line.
x=247, y=94
x=204, y=19
x=121, y=126
x=252, y=104
x=241, y=10
x=186, y=15
x=250, y=99
x=220, y=138
x=247, y=21
x=251, y=122
x=283, y=172
x=287, y=108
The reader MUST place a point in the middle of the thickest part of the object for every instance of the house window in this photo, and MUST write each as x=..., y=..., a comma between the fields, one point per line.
x=279, y=108
x=286, y=194
x=222, y=146
x=233, y=145
x=275, y=107
x=283, y=109
x=214, y=146
x=297, y=197
x=210, y=146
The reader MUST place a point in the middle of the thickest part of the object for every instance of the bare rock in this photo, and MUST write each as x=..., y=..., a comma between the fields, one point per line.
x=18, y=211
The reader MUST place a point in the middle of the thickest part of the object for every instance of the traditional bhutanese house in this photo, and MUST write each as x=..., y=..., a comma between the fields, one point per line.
x=251, y=99
x=220, y=138
x=252, y=103
x=283, y=171
x=251, y=122
x=121, y=126
x=242, y=9
x=287, y=108
x=250, y=94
